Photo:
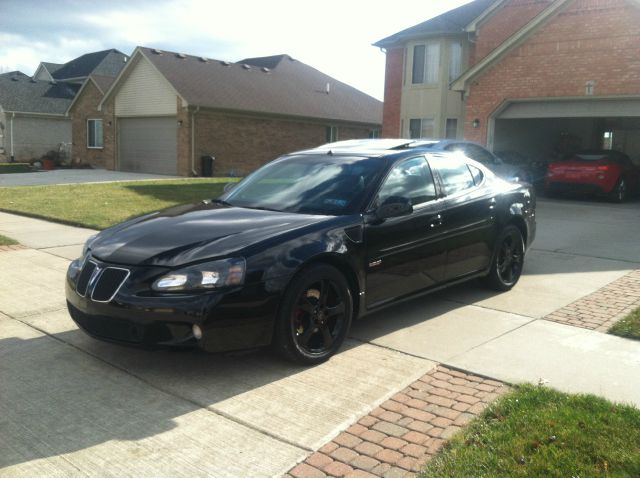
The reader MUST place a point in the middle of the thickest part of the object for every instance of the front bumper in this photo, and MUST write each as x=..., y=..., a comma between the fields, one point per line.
x=231, y=319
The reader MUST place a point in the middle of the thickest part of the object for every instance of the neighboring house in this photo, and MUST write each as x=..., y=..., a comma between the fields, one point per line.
x=33, y=116
x=543, y=76
x=34, y=111
x=421, y=61
x=166, y=110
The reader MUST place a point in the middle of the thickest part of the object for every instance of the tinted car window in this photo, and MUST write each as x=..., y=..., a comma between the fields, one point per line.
x=476, y=173
x=455, y=174
x=410, y=179
x=478, y=154
x=310, y=184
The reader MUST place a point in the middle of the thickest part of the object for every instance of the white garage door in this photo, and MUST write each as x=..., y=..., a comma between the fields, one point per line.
x=148, y=145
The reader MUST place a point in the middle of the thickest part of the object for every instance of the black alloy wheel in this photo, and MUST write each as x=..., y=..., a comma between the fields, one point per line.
x=508, y=260
x=315, y=316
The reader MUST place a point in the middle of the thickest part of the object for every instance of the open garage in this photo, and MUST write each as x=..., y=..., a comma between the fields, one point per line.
x=549, y=129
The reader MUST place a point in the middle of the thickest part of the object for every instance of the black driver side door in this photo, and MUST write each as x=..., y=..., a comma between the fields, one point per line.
x=406, y=254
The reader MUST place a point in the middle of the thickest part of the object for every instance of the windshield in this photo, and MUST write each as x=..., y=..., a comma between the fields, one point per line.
x=309, y=184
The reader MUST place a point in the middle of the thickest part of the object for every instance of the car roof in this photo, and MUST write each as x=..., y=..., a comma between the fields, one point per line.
x=381, y=147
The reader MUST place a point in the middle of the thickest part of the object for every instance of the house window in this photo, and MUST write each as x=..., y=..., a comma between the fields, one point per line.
x=94, y=133
x=426, y=63
x=421, y=128
x=451, y=131
x=455, y=60
x=332, y=134
x=374, y=134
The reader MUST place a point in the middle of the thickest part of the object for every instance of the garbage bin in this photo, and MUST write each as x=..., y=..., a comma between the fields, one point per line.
x=207, y=166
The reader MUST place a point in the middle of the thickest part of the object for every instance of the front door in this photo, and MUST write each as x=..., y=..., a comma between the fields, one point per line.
x=406, y=254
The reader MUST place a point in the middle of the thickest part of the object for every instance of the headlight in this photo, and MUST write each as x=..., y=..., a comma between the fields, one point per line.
x=206, y=276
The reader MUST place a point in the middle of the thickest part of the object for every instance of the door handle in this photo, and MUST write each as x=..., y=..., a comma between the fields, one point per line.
x=435, y=221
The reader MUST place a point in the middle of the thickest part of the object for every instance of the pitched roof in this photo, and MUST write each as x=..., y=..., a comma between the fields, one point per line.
x=105, y=63
x=32, y=96
x=16, y=73
x=103, y=82
x=275, y=84
x=453, y=21
x=52, y=67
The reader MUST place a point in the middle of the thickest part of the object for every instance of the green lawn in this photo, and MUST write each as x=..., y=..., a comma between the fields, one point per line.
x=628, y=327
x=6, y=168
x=539, y=432
x=101, y=205
x=6, y=241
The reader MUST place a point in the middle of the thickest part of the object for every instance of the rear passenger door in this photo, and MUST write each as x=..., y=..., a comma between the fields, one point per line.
x=470, y=223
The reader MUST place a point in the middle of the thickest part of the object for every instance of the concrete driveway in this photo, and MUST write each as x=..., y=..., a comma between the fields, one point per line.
x=70, y=405
x=73, y=176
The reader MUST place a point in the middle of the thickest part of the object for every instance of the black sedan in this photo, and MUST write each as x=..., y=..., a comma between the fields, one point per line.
x=300, y=248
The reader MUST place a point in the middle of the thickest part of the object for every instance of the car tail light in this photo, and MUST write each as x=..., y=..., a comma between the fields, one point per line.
x=604, y=168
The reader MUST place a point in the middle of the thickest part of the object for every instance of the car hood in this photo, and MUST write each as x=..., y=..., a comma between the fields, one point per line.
x=193, y=233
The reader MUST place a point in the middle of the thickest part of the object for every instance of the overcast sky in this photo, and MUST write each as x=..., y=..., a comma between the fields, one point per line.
x=334, y=36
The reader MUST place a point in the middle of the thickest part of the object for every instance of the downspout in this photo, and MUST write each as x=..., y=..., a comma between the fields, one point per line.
x=193, y=141
x=13, y=115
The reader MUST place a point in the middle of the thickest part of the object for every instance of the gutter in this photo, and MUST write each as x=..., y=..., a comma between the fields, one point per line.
x=193, y=141
x=13, y=115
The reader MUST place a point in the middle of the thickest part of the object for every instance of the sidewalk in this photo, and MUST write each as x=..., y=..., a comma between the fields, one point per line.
x=52, y=238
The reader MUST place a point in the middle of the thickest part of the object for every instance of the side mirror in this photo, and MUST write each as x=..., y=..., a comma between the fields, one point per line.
x=394, y=206
x=228, y=187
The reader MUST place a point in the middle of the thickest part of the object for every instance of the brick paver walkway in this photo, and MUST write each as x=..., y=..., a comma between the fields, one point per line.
x=403, y=433
x=14, y=247
x=601, y=309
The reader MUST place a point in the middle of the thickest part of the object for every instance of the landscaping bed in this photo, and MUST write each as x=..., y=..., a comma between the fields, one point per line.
x=7, y=168
x=536, y=431
x=101, y=205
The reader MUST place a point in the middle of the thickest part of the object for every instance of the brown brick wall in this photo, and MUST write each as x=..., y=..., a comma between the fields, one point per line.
x=392, y=93
x=504, y=22
x=242, y=143
x=86, y=107
x=590, y=40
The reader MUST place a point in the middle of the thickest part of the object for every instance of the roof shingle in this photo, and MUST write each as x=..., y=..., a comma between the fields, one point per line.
x=31, y=96
x=453, y=21
x=104, y=63
x=275, y=84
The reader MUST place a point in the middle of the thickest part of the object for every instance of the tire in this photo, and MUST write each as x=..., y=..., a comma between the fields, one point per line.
x=315, y=315
x=508, y=260
x=620, y=191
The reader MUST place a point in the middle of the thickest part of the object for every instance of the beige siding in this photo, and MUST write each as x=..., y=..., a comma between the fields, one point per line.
x=432, y=101
x=145, y=93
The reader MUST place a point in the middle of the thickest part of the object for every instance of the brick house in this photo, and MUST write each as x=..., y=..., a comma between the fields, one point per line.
x=167, y=110
x=541, y=77
x=36, y=112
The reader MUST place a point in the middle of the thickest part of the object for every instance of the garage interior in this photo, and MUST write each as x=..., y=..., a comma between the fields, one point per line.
x=546, y=131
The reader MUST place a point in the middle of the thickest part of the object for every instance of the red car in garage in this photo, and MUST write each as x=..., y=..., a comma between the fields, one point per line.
x=595, y=171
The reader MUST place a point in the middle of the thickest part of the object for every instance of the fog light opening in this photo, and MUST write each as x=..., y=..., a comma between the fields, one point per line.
x=197, y=331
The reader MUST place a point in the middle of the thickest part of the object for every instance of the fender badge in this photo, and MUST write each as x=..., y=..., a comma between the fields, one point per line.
x=375, y=263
